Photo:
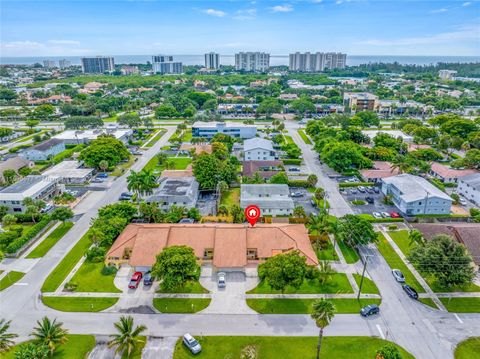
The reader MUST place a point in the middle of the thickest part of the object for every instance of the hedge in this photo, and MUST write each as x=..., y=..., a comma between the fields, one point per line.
x=299, y=183
x=18, y=148
x=356, y=184
x=29, y=235
x=370, y=218
x=292, y=161
x=67, y=153
x=25, y=218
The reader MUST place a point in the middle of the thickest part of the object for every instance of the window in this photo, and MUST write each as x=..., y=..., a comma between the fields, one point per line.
x=252, y=253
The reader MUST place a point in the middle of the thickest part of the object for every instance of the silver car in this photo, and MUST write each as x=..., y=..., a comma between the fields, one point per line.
x=191, y=343
x=398, y=275
x=221, y=280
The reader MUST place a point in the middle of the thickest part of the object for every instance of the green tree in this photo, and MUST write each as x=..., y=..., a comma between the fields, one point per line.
x=175, y=266
x=299, y=211
x=445, y=259
x=6, y=338
x=312, y=180
x=104, y=148
x=279, y=178
x=61, y=214
x=319, y=193
x=166, y=110
x=416, y=237
x=283, y=270
x=9, y=220
x=325, y=271
x=206, y=169
x=32, y=351
x=388, y=351
x=128, y=337
x=131, y=120
x=194, y=214
x=342, y=156
x=103, y=165
x=323, y=312
x=9, y=176
x=50, y=333
x=354, y=230
x=32, y=123
x=268, y=107
x=83, y=122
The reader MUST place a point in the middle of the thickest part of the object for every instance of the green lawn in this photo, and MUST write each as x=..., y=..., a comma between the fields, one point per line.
x=368, y=286
x=401, y=240
x=123, y=167
x=350, y=254
x=230, y=197
x=304, y=137
x=289, y=347
x=79, y=304
x=89, y=278
x=77, y=347
x=60, y=272
x=157, y=136
x=429, y=302
x=337, y=284
x=50, y=241
x=462, y=305
x=189, y=287
x=327, y=254
x=395, y=262
x=10, y=278
x=468, y=349
x=180, y=305
x=180, y=163
x=187, y=135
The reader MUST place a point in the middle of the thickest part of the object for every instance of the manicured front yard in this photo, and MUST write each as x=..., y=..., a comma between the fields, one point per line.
x=327, y=253
x=338, y=284
x=79, y=304
x=368, y=286
x=89, y=278
x=350, y=254
x=462, y=305
x=189, y=287
x=395, y=262
x=61, y=271
x=181, y=305
x=77, y=347
x=468, y=349
x=179, y=163
x=10, y=278
x=287, y=347
x=401, y=240
x=124, y=166
x=50, y=241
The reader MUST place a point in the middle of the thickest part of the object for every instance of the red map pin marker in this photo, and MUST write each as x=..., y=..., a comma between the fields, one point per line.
x=252, y=213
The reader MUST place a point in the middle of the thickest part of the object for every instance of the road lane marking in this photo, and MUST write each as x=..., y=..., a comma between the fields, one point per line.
x=458, y=318
x=20, y=283
x=380, y=331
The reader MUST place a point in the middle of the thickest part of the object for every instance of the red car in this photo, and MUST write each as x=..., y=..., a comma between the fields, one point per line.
x=394, y=215
x=135, y=280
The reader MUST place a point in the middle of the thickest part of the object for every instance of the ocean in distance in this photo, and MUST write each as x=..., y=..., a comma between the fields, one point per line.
x=275, y=60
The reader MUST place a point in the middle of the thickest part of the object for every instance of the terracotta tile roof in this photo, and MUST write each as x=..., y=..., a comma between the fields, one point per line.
x=199, y=148
x=447, y=172
x=229, y=242
x=414, y=147
x=188, y=172
x=250, y=167
x=381, y=169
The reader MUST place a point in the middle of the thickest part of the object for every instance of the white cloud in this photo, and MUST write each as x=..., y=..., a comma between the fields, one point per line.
x=282, y=8
x=438, y=11
x=65, y=42
x=247, y=14
x=316, y=1
x=464, y=33
x=465, y=4
x=24, y=45
x=213, y=12
x=338, y=2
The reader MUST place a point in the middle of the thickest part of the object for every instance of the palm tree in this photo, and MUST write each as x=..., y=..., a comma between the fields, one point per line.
x=6, y=339
x=50, y=333
x=325, y=271
x=127, y=338
x=323, y=312
x=134, y=182
x=400, y=163
x=103, y=165
x=148, y=181
x=416, y=237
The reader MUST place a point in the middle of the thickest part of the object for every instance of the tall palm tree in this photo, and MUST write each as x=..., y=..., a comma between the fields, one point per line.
x=400, y=163
x=128, y=337
x=323, y=312
x=50, y=333
x=6, y=339
x=148, y=181
x=134, y=182
x=416, y=237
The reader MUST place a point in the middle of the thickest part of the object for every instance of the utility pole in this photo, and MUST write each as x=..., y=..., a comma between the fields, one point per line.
x=363, y=275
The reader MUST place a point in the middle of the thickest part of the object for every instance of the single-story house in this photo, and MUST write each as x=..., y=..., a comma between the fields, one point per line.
x=229, y=247
x=70, y=172
x=272, y=199
x=447, y=174
x=381, y=169
x=43, y=151
x=14, y=163
x=74, y=137
x=265, y=169
x=199, y=148
x=180, y=191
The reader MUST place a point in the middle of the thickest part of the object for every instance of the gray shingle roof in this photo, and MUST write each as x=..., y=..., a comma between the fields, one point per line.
x=472, y=180
x=256, y=142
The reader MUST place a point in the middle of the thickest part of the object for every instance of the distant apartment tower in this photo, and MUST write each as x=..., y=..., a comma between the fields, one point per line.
x=252, y=61
x=165, y=65
x=360, y=101
x=97, y=65
x=317, y=62
x=446, y=74
x=212, y=60
x=64, y=63
x=49, y=64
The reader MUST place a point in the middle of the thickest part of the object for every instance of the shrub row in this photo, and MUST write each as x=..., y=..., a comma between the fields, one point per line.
x=18, y=148
x=25, y=218
x=292, y=161
x=67, y=153
x=299, y=183
x=29, y=235
x=356, y=184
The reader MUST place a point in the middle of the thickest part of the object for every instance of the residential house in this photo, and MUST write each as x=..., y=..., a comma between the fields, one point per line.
x=414, y=195
x=272, y=199
x=380, y=170
x=234, y=129
x=228, y=247
x=14, y=163
x=43, y=151
x=469, y=187
x=265, y=169
x=178, y=191
x=447, y=174
x=258, y=149
x=73, y=137
x=199, y=148
x=70, y=172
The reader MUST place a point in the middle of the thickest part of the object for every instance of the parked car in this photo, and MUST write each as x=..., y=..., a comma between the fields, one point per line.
x=294, y=169
x=97, y=180
x=361, y=189
x=125, y=196
x=394, y=215
x=369, y=200
x=102, y=175
x=412, y=293
x=313, y=203
x=192, y=344
x=376, y=215
x=296, y=194
x=135, y=280
x=398, y=275
x=385, y=214
x=369, y=189
x=376, y=189
x=353, y=191
x=221, y=279
x=147, y=278
x=49, y=207
x=187, y=220
x=463, y=201
x=369, y=310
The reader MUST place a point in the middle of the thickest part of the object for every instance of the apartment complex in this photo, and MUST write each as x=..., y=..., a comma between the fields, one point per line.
x=252, y=61
x=49, y=64
x=97, y=65
x=469, y=187
x=360, y=101
x=212, y=60
x=234, y=129
x=447, y=74
x=164, y=64
x=316, y=62
x=63, y=64
x=272, y=199
x=258, y=149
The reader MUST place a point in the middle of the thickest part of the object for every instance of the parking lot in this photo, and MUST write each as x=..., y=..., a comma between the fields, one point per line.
x=304, y=200
x=352, y=193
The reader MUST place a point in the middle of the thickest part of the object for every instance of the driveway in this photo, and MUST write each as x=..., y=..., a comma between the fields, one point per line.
x=231, y=299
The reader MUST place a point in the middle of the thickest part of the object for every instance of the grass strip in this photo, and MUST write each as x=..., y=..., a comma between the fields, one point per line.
x=50, y=241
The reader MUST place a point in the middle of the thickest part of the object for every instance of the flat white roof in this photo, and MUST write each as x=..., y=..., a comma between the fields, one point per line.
x=414, y=188
x=91, y=134
x=256, y=142
x=26, y=187
x=68, y=169
x=214, y=124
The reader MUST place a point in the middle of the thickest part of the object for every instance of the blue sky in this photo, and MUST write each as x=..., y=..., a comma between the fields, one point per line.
x=357, y=27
